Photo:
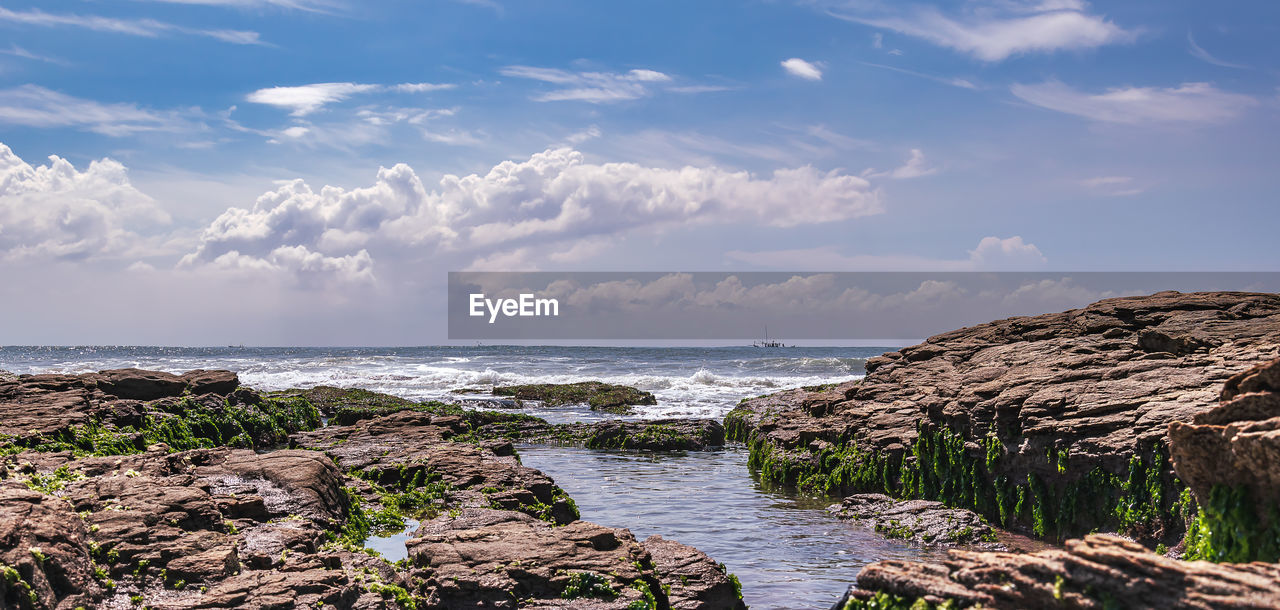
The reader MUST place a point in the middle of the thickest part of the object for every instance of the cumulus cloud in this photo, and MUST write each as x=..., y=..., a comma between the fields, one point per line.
x=54, y=211
x=1009, y=253
x=301, y=265
x=994, y=31
x=1187, y=103
x=802, y=69
x=306, y=99
x=551, y=197
x=147, y=28
x=593, y=87
x=915, y=167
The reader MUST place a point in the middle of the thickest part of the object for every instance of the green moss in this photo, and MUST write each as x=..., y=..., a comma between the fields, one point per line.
x=894, y=529
x=400, y=594
x=1141, y=501
x=599, y=396
x=188, y=424
x=55, y=481
x=1227, y=529
x=885, y=601
x=588, y=584
x=651, y=436
x=647, y=601
x=733, y=579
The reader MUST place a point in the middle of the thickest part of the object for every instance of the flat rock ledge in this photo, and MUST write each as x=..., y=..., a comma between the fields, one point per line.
x=646, y=435
x=922, y=522
x=1098, y=571
x=598, y=395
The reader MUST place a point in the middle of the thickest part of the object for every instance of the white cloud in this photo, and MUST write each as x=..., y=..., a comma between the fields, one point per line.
x=994, y=31
x=55, y=211
x=1112, y=186
x=422, y=87
x=592, y=87
x=35, y=106
x=306, y=99
x=553, y=197
x=1199, y=53
x=1010, y=253
x=301, y=265
x=17, y=51
x=991, y=254
x=915, y=167
x=302, y=5
x=147, y=28
x=803, y=69
x=877, y=40
x=1187, y=103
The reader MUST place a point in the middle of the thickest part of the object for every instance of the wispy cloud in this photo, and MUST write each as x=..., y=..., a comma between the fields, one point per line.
x=315, y=6
x=954, y=82
x=1187, y=103
x=147, y=28
x=802, y=69
x=592, y=87
x=305, y=99
x=1112, y=186
x=994, y=31
x=36, y=106
x=1199, y=53
x=17, y=51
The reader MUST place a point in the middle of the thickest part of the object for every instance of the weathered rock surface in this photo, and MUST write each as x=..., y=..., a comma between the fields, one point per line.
x=487, y=558
x=1235, y=444
x=919, y=521
x=97, y=511
x=1099, y=571
x=647, y=435
x=44, y=549
x=1068, y=400
x=398, y=448
x=35, y=405
x=694, y=580
x=598, y=395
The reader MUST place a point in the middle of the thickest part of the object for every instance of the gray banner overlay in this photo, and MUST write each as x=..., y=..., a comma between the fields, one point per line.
x=793, y=306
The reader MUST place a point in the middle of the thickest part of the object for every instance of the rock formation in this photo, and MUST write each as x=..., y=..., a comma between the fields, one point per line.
x=137, y=488
x=1055, y=423
x=1229, y=456
x=1099, y=571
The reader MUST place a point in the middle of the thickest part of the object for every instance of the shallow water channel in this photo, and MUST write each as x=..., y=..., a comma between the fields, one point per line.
x=787, y=550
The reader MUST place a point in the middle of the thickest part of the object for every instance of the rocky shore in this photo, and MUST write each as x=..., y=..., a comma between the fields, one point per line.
x=1054, y=426
x=130, y=488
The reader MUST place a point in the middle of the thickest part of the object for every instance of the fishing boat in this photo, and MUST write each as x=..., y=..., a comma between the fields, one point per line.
x=766, y=342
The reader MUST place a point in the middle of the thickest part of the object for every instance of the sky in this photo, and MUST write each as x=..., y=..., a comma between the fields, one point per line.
x=277, y=172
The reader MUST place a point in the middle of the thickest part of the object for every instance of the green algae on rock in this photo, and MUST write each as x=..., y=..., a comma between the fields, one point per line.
x=598, y=395
x=1053, y=423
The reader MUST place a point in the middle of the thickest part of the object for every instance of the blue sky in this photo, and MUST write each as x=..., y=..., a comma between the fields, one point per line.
x=306, y=171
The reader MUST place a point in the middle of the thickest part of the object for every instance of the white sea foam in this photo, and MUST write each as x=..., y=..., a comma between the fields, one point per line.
x=686, y=382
